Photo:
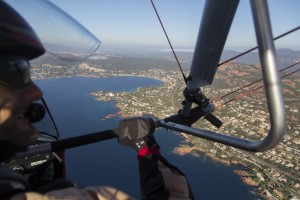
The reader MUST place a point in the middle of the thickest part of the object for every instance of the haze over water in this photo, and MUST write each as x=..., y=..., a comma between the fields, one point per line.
x=107, y=163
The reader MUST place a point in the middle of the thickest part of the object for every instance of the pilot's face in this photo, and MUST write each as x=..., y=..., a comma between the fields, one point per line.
x=14, y=102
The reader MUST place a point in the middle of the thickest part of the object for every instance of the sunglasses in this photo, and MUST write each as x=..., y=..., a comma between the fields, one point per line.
x=14, y=71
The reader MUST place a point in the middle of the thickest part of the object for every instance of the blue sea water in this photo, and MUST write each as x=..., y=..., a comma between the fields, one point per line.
x=107, y=163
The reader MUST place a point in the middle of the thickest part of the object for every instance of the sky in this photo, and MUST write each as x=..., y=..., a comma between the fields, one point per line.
x=133, y=24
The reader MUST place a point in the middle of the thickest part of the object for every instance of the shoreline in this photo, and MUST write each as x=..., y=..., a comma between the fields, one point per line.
x=244, y=175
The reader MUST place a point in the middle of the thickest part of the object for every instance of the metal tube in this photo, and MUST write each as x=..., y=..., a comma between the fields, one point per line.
x=271, y=77
x=214, y=28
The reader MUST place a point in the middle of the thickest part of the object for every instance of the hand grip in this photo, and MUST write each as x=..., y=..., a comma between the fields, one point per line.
x=213, y=119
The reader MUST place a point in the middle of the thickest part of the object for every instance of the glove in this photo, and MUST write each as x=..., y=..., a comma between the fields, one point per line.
x=137, y=133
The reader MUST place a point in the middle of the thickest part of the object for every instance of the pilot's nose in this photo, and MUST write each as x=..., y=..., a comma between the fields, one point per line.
x=32, y=92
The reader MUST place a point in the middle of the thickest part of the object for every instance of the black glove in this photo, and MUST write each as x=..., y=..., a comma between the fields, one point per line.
x=137, y=133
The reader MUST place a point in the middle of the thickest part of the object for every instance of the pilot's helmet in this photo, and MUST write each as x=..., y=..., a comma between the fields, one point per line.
x=16, y=35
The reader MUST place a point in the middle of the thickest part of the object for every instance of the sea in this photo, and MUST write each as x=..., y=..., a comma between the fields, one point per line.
x=107, y=163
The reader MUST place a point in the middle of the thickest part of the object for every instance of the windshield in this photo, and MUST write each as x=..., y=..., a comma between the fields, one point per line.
x=61, y=35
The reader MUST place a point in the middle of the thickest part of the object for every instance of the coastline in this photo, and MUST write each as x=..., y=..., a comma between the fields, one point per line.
x=244, y=175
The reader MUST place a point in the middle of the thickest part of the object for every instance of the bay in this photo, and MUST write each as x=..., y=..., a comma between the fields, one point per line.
x=107, y=163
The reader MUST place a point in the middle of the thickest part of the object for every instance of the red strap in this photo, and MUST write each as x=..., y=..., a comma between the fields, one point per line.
x=148, y=150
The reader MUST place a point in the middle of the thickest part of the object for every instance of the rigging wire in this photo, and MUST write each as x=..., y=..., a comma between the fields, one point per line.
x=183, y=75
x=225, y=95
x=280, y=36
x=238, y=97
x=248, y=51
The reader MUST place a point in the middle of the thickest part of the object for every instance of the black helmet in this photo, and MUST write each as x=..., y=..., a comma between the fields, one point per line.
x=16, y=35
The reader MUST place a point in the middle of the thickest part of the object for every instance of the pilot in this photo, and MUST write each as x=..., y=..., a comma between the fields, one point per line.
x=19, y=44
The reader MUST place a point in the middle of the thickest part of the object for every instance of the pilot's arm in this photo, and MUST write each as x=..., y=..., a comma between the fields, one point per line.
x=158, y=178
